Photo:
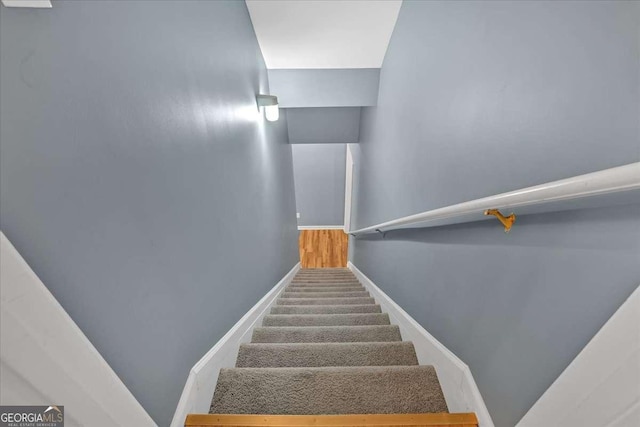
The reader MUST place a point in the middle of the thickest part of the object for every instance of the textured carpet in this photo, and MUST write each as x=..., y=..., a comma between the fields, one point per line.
x=326, y=354
x=318, y=278
x=325, y=309
x=326, y=319
x=327, y=348
x=332, y=282
x=325, y=301
x=336, y=390
x=325, y=289
x=358, y=294
x=378, y=333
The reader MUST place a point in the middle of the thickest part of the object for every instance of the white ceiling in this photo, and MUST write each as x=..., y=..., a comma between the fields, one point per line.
x=323, y=33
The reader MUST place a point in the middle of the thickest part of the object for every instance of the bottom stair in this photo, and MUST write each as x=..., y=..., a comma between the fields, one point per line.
x=336, y=390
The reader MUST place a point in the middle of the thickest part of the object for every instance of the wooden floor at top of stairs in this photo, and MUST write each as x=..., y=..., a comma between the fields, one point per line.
x=323, y=248
x=377, y=420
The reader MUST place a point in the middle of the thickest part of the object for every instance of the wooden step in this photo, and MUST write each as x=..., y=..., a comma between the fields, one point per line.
x=377, y=420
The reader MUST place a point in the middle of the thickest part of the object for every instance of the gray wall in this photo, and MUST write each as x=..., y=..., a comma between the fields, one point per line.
x=325, y=87
x=319, y=171
x=138, y=180
x=478, y=98
x=323, y=125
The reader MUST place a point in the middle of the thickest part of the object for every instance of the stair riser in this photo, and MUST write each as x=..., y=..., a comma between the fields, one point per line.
x=362, y=294
x=308, y=334
x=325, y=273
x=325, y=309
x=326, y=354
x=326, y=348
x=325, y=289
x=311, y=391
x=326, y=319
x=326, y=276
x=326, y=285
x=325, y=301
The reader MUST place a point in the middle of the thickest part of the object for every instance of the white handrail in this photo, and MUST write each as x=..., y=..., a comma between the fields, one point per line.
x=621, y=178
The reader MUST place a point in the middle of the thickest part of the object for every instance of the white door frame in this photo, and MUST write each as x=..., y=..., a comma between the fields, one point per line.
x=348, y=188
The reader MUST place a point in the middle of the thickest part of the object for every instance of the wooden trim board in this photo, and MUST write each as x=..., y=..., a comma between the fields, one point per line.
x=378, y=420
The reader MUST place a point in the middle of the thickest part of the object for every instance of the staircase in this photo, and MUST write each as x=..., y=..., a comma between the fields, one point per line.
x=327, y=349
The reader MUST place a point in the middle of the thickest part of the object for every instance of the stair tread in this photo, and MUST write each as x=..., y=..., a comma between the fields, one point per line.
x=325, y=309
x=372, y=333
x=326, y=319
x=325, y=288
x=328, y=390
x=326, y=354
x=324, y=276
x=327, y=348
x=357, y=294
x=324, y=301
x=324, y=284
x=317, y=284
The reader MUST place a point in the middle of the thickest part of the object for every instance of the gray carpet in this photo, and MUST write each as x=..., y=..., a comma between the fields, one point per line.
x=377, y=333
x=332, y=282
x=327, y=348
x=326, y=319
x=325, y=309
x=358, y=294
x=325, y=301
x=326, y=354
x=334, y=390
x=325, y=289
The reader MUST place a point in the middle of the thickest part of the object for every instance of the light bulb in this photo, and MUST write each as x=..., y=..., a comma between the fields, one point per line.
x=271, y=112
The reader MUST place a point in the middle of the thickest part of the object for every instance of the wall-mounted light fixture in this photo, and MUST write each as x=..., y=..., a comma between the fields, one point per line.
x=270, y=105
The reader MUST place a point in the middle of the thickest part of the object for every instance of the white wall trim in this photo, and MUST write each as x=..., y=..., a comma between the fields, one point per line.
x=321, y=227
x=458, y=385
x=348, y=189
x=46, y=359
x=38, y=4
x=601, y=386
x=201, y=383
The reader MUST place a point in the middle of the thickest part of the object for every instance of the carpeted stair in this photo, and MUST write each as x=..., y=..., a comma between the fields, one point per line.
x=326, y=319
x=326, y=301
x=325, y=309
x=327, y=348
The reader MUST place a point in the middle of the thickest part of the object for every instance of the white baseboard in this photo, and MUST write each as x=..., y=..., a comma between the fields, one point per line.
x=458, y=385
x=321, y=227
x=601, y=386
x=201, y=383
x=38, y=4
x=45, y=359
